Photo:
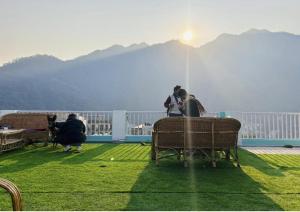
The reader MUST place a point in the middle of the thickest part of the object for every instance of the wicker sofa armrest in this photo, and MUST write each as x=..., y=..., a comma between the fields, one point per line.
x=14, y=193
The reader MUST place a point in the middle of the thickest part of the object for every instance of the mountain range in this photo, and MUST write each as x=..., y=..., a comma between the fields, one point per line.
x=257, y=70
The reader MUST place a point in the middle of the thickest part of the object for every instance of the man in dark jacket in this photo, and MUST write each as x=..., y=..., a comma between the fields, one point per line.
x=191, y=107
x=72, y=133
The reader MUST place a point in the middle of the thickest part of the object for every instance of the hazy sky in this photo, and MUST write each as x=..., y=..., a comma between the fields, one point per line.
x=69, y=28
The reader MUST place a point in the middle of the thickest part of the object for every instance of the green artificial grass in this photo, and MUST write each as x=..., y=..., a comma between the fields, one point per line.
x=122, y=177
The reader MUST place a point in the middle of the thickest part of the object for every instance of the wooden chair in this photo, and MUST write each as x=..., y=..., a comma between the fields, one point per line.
x=188, y=135
x=14, y=193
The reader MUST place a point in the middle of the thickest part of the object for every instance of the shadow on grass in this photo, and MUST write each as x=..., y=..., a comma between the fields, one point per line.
x=199, y=187
x=28, y=158
x=257, y=162
x=89, y=154
x=31, y=157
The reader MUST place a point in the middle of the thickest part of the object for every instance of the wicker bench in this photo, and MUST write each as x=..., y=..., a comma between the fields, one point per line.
x=34, y=125
x=204, y=135
x=11, y=139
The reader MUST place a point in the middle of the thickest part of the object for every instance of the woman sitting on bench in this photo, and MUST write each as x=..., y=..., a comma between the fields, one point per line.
x=191, y=106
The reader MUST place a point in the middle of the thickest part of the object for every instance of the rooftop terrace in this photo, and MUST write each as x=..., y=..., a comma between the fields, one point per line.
x=122, y=177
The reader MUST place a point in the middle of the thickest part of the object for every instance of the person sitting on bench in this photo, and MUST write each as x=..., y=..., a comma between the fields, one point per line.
x=191, y=106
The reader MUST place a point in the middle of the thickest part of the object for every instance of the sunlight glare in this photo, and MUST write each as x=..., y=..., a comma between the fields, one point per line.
x=187, y=36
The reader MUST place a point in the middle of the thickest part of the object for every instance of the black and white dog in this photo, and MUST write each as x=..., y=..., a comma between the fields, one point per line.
x=54, y=128
x=70, y=132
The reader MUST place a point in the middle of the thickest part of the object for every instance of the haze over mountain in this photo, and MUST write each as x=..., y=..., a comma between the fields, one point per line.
x=257, y=70
x=111, y=51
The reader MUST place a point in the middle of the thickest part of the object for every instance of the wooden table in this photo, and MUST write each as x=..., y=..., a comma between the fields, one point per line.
x=11, y=139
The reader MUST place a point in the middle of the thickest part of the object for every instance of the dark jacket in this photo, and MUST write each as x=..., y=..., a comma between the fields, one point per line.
x=72, y=132
x=167, y=102
x=191, y=108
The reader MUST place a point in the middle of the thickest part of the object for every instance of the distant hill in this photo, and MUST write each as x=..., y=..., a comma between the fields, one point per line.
x=257, y=70
x=111, y=51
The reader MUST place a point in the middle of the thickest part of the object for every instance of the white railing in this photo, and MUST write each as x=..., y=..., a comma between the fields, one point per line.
x=141, y=122
x=255, y=125
x=96, y=122
x=268, y=125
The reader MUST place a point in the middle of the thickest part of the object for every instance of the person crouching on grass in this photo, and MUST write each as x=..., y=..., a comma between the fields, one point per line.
x=72, y=133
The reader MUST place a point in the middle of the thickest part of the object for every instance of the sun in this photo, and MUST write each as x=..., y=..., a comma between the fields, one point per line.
x=187, y=36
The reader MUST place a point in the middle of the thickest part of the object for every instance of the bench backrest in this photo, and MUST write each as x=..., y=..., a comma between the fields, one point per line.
x=200, y=132
x=25, y=121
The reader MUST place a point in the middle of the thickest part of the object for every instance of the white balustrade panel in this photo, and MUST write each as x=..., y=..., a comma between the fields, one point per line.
x=141, y=122
x=255, y=125
x=268, y=125
x=96, y=122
